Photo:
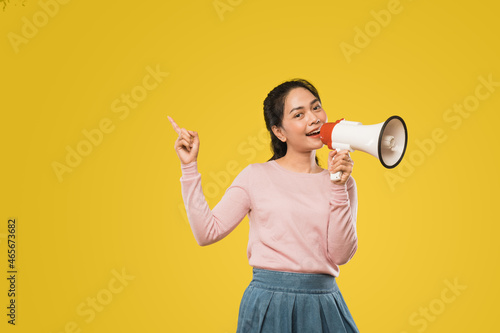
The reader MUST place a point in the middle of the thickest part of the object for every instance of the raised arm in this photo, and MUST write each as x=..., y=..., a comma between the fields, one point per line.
x=208, y=226
x=342, y=235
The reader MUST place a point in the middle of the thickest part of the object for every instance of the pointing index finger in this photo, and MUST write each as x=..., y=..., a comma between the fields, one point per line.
x=174, y=125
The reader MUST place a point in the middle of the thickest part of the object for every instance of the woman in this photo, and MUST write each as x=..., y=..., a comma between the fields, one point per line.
x=302, y=224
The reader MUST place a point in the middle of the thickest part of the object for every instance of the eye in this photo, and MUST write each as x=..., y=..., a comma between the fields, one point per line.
x=297, y=115
x=317, y=107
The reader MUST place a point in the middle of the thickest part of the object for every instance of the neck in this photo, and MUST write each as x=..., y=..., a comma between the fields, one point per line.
x=300, y=161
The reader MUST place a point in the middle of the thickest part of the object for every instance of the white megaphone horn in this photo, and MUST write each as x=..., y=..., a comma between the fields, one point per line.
x=386, y=141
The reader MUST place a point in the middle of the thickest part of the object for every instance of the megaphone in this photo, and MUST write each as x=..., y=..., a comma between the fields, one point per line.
x=386, y=141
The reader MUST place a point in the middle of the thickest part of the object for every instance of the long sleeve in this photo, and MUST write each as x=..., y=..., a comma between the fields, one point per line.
x=210, y=226
x=342, y=236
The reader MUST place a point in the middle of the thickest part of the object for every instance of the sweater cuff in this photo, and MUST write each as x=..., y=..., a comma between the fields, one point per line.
x=340, y=191
x=189, y=170
x=336, y=188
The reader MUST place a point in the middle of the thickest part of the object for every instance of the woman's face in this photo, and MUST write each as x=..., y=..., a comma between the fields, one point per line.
x=303, y=114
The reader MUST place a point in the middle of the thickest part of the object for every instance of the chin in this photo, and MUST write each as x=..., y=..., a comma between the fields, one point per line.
x=316, y=147
x=319, y=145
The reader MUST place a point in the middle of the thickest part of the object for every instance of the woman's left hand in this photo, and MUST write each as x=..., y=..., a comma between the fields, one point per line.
x=340, y=161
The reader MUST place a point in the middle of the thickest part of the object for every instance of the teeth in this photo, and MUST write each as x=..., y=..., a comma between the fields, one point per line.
x=312, y=133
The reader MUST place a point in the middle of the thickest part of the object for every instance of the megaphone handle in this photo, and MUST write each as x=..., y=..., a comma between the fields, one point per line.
x=337, y=175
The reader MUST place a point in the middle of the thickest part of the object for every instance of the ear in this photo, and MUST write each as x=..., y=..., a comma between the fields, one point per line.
x=278, y=131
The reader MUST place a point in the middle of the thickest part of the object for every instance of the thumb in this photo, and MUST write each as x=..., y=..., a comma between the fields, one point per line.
x=195, y=135
x=332, y=154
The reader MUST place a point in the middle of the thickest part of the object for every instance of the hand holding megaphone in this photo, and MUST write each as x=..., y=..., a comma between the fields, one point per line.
x=386, y=141
x=340, y=160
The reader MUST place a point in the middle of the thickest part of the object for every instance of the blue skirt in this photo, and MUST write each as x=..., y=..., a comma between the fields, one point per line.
x=279, y=302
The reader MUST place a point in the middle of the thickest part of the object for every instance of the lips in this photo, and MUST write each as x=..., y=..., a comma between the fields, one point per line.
x=314, y=132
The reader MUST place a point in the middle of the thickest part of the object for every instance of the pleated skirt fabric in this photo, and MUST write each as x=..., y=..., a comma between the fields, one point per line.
x=290, y=302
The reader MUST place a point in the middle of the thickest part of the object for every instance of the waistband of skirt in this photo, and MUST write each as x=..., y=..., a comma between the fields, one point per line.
x=293, y=281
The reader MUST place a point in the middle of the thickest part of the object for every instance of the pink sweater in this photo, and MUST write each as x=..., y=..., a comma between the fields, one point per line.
x=299, y=222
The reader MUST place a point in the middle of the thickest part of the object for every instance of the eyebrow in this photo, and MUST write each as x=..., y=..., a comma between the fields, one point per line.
x=301, y=107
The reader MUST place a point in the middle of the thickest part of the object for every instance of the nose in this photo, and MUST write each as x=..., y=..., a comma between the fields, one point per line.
x=314, y=120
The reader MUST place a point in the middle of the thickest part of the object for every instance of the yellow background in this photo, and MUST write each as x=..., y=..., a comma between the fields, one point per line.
x=120, y=209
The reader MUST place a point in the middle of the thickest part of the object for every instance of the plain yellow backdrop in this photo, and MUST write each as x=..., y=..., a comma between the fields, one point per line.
x=91, y=176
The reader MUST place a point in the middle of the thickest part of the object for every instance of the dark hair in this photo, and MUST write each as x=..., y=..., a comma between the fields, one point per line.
x=274, y=105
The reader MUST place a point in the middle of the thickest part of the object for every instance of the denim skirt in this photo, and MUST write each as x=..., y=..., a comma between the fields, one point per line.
x=279, y=302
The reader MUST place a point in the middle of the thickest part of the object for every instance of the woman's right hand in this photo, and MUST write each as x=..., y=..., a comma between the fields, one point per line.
x=187, y=144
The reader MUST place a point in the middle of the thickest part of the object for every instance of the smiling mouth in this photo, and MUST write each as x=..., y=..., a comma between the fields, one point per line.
x=313, y=133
